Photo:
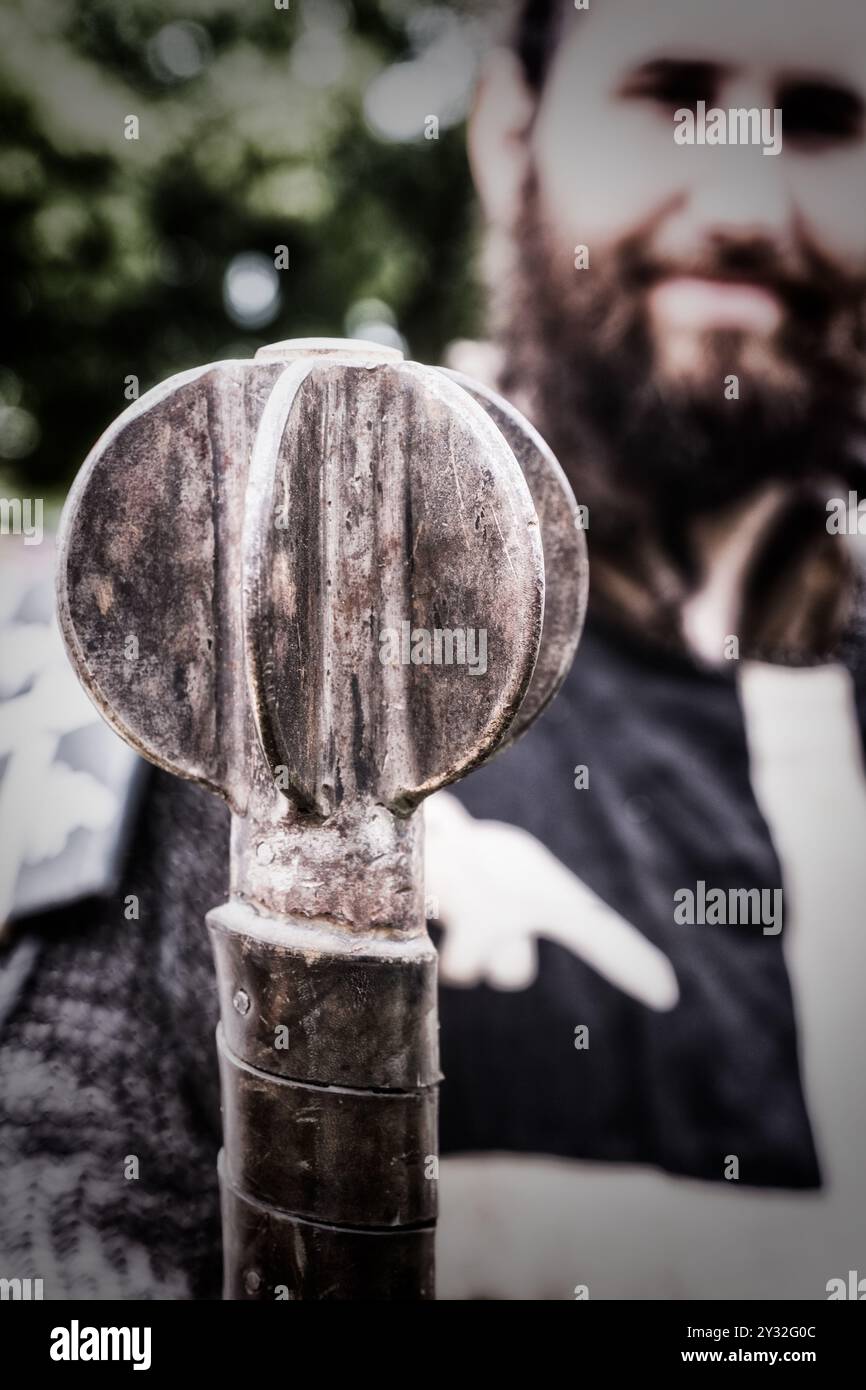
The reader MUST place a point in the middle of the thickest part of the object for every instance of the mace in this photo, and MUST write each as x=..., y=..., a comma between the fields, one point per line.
x=277, y=578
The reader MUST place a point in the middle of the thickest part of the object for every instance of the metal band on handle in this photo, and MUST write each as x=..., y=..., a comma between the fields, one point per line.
x=315, y=1164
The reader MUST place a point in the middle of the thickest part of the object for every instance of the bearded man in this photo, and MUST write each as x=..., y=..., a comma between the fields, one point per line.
x=635, y=1105
x=685, y=326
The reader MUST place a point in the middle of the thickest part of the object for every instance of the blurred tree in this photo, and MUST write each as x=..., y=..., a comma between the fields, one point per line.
x=133, y=248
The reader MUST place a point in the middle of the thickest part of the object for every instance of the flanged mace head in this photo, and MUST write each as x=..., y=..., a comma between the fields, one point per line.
x=323, y=583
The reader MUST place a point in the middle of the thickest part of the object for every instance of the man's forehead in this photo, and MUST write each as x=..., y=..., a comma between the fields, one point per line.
x=824, y=37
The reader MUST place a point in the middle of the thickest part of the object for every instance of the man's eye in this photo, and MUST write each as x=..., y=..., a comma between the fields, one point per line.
x=672, y=85
x=819, y=113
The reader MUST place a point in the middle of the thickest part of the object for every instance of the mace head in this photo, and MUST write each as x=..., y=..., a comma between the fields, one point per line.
x=323, y=569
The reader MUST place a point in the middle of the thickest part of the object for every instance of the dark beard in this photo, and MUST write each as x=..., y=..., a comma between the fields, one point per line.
x=644, y=454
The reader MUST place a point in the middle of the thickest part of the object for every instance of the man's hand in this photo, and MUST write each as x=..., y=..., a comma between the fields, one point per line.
x=496, y=890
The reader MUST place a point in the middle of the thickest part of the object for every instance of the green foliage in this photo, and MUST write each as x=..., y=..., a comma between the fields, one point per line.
x=252, y=135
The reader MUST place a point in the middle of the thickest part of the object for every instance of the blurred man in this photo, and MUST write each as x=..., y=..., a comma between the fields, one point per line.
x=654, y=1082
x=685, y=325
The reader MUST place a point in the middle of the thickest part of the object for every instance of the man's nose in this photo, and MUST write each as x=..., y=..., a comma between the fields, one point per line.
x=739, y=194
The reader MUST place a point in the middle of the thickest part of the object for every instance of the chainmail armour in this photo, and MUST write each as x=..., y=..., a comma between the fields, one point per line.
x=107, y=1054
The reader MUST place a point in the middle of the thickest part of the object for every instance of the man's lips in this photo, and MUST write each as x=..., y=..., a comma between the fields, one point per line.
x=696, y=302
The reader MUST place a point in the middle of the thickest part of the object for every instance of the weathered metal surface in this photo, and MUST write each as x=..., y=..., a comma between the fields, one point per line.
x=329, y=1153
x=246, y=562
x=566, y=562
x=412, y=512
x=379, y=494
x=301, y=999
x=271, y=1254
x=149, y=524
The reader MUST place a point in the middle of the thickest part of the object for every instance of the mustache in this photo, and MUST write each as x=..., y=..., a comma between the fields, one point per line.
x=808, y=285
